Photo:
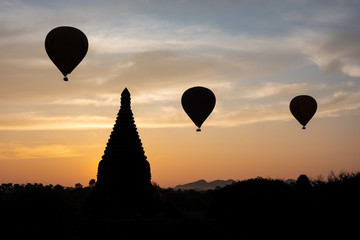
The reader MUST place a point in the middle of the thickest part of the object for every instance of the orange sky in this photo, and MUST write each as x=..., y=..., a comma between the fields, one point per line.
x=179, y=155
x=253, y=59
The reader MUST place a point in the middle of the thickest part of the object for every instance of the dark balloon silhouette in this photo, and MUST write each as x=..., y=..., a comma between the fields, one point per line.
x=66, y=47
x=198, y=103
x=303, y=108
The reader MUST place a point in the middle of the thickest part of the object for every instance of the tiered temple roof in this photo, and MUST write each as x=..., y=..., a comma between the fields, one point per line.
x=124, y=169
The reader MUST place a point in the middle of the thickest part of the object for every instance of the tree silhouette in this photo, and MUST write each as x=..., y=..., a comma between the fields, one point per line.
x=54, y=212
x=1, y=201
x=58, y=187
x=303, y=183
x=92, y=183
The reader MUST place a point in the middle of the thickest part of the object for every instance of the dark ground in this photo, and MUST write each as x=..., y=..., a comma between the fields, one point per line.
x=249, y=209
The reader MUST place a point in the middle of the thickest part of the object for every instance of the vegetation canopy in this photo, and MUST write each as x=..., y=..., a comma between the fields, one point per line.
x=56, y=212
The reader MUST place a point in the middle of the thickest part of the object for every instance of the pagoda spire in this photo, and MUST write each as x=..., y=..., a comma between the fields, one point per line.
x=124, y=169
x=125, y=99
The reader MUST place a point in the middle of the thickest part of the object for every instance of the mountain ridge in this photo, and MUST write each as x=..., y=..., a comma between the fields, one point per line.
x=203, y=185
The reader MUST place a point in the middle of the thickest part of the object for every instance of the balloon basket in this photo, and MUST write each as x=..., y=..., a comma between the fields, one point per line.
x=303, y=127
x=66, y=79
x=198, y=130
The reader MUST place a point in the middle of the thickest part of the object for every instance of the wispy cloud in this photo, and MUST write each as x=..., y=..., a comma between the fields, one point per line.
x=250, y=115
x=13, y=151
x=97, y=101
x=49, y=121
x=333, y=51
x=158, y=56
x=272, y=89
x=339, y=103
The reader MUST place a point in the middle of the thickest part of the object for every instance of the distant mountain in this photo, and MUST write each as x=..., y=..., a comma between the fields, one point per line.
x=290, y=181
x=202, y=185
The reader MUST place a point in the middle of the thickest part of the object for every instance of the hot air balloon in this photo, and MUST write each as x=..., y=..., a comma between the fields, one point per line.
x=66, y=47
x=303, y=108
x=198, y=103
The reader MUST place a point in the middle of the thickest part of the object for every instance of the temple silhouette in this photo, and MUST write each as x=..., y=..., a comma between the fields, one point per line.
x=124, y=177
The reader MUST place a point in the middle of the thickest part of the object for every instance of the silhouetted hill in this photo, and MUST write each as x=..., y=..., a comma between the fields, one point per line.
x=203, y=185
x=290, y=181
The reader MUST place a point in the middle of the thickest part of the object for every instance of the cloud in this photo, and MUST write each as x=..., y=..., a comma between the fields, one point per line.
x=166, y=116
x=12, y=151
x=333, y=51
x=49, y=120
x=250, y=114
x=158, y=57
x=96, y=101
x=164, y=96
x=272, y=89
x=180, y=69
x=338, y=103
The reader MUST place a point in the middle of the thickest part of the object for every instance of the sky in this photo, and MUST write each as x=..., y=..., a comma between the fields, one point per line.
x=254, y=55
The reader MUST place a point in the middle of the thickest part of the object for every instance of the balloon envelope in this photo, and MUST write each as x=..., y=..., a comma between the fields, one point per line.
x=303, y=108
x=198, y=103
x=66, y=47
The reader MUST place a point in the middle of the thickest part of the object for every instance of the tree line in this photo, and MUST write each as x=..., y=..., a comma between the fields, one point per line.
x=316, y=206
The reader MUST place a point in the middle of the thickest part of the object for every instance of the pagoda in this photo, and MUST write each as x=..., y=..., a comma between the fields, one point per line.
x=124, y=172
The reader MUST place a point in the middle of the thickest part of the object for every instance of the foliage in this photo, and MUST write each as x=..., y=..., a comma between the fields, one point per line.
x=34, y=210
x=92, y=183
